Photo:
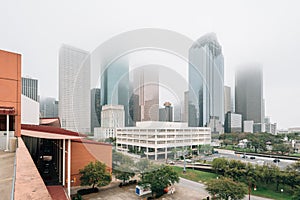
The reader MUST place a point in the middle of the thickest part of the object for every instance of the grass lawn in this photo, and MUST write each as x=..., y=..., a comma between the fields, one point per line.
x=195, y=175
x=270, y=192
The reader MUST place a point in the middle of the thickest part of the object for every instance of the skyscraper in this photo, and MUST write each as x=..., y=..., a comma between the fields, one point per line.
x=206, y=81
x=74, y=89
x=115, y=86
x=166, y=113
x=30, y=88
x=249, y=92
x=146, y=87
x=95, y=108
x=48, y=107
x=185, y=115
x=227, y=99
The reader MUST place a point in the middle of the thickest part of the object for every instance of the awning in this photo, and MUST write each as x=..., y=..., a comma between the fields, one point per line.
x=46, y=135
x=7, y=110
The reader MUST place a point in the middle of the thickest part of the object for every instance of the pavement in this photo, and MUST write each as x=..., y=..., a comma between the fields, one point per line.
x=185, y=189
x=6, y=174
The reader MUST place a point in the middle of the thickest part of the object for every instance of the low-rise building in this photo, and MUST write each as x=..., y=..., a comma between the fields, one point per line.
x=259, y=128
x=157, y=140
x=233, y=123
x=294, y=130
x=248, y=126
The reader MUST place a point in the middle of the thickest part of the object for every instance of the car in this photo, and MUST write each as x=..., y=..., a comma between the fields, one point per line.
x=244, y=156
x=276, y=160
x=252, y=157
x=171, y=163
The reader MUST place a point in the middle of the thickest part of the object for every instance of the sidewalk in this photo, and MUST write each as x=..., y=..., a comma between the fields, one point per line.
x=6, y=174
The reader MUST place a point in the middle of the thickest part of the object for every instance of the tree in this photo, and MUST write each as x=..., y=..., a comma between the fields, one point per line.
x=282, y=148
x=120, y=159
x=219, y=165
x=124, y=172
x=95, y=174
x=159, y=179
x=225, y=188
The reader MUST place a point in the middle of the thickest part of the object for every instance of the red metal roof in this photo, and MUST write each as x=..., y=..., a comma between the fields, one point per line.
x=7, y=110
x=50, y=129
x=90, y=142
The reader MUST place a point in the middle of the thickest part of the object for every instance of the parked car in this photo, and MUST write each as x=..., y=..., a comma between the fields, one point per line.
x=171, y=163
x=252, y=157
x=244, y=156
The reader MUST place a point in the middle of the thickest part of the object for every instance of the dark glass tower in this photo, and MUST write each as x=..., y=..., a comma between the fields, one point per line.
x=249, y=92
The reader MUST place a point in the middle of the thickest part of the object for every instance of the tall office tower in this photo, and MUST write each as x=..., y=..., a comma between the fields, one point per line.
x=115, y=86
x=185, y=115
x=95, y=108
x=48, y=107
x=74, y=89
x=227, y=99
x=249, y=92
x=146, y=86
x=177, y=117
x=134, y=109
x=206, y=81
x=30, y=88
x=166, y=113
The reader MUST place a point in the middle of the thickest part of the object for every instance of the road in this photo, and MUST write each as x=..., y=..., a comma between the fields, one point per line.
x=259, y=160
x=200, y=188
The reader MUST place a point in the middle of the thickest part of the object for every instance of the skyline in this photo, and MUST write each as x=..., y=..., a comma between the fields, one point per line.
x=252, y=31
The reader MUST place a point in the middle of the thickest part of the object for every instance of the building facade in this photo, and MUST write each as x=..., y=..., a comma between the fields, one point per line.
x=259, y=128
x=95, y=108
x=112, y=117
x=227, y=99
x=233, y=123
x=166, y=113
x=249, y=92
x=248, y=126
x=158, y=140
x=146, y=87
x=10, y=102
x=48, y=107
x=30, y=88
x=74, y=89
x=115, y=86
x=206, y=81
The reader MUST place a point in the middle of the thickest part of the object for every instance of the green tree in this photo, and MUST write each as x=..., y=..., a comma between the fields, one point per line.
x=282, y=148
x=119, y=158
x=226, y=188
x=95, y=174
x=219, y=165
x=124, y=172
x=159, y=179
x=144, y=165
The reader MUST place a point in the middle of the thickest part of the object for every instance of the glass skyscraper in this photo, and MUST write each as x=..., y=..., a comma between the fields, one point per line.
x=206, y=81
x=115, y=86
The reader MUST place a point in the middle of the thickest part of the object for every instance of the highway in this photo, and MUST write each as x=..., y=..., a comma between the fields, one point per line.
x=259, y=160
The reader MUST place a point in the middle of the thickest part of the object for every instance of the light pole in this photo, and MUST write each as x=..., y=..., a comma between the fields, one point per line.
x=249, y=189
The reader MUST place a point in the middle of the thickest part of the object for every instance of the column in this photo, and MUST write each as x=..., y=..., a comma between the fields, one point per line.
x=69, y=168
x=64, y=162
x=166, y=153
x=7, y=132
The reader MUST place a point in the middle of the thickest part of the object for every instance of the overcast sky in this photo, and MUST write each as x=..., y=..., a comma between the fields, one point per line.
x=267, y=32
